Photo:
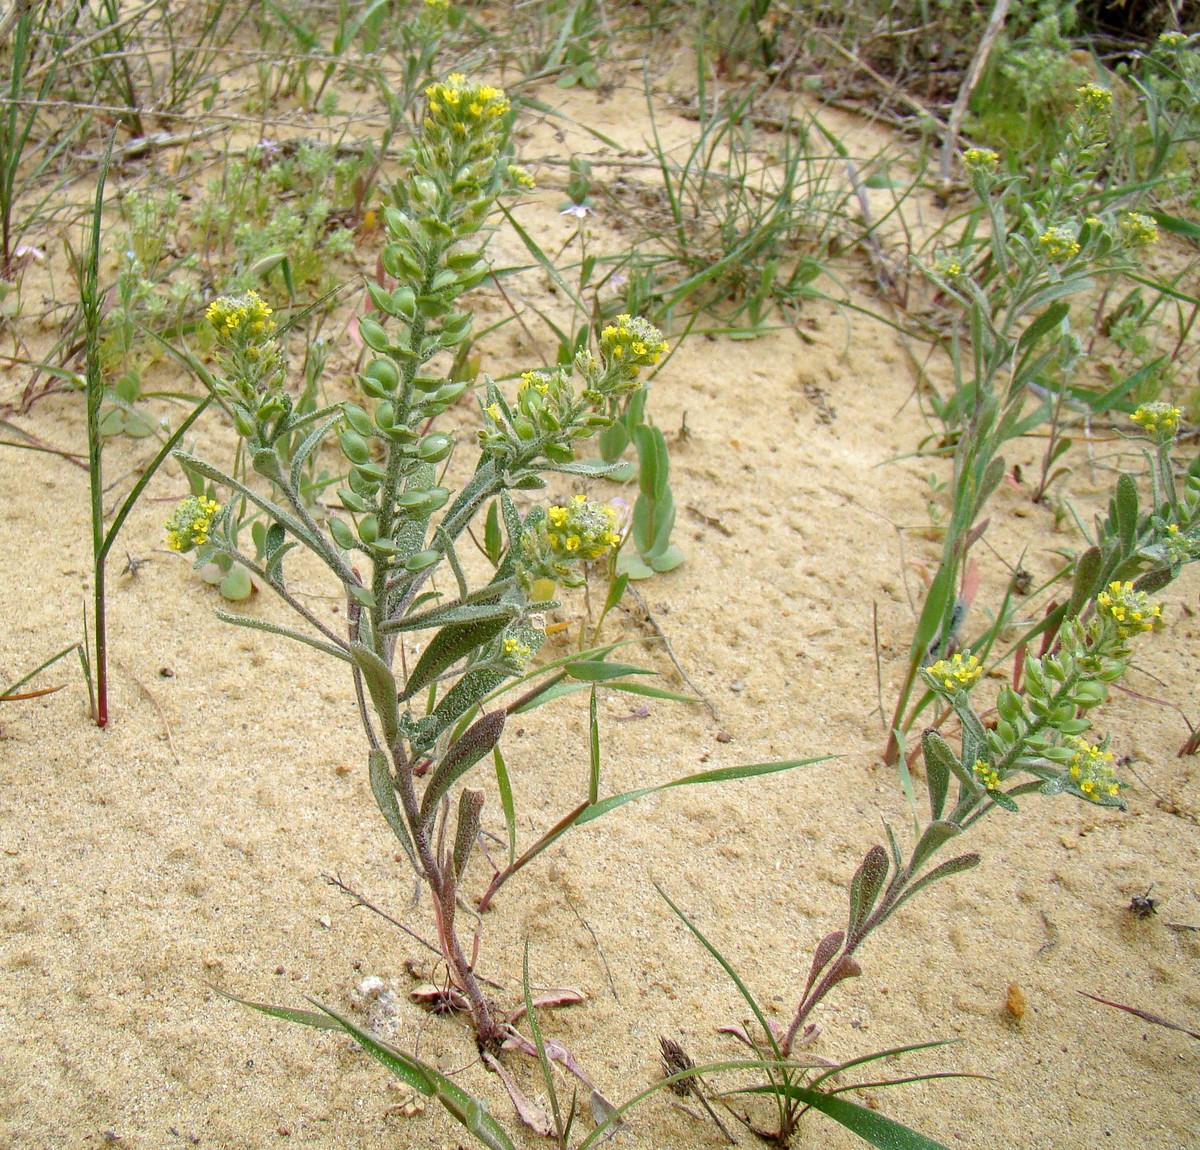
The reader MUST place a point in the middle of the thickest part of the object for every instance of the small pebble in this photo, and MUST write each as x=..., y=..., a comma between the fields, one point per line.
x=723, y=737
x=1014, y=1002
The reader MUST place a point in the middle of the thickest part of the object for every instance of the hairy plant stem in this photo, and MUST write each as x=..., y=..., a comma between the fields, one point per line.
x=439, y=874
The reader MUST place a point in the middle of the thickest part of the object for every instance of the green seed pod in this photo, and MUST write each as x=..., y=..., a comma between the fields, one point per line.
x=354, y=447
x=434, y=448
x=462, y=261
x=373, y=334
x=457, y=325
x=397, y=222
x=406, y=301
x=381, y=298
x=362, y=485
x=370, y=472
x=450, y=392
x=427, y=383
x=421, y=560
x=430, y=306
x=342, y=535
x=352, y=501
x=385, y=415
x=357, y=418
x=368, y=528
x=444, y=279
x=381, y=378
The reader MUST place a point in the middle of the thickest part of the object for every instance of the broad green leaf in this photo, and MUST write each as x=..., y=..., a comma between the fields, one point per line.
x=869, y=1125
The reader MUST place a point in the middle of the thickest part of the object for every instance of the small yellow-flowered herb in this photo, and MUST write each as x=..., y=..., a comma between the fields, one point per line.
x=633, y=341
x=1090, y=768
x=241, y=321
x=958, y=673
x=1059, y=243
x=582, y=529
x=986, y=774
x=1130, y=610
x=1138, y=230
x=191, y=522
x=1159, y=420
x=981, y=159
x=1094, y=100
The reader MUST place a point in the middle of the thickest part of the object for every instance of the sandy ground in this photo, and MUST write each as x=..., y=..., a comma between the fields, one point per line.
x=185, y=847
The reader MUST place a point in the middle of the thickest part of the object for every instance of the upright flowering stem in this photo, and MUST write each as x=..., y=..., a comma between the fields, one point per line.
x=458, y=165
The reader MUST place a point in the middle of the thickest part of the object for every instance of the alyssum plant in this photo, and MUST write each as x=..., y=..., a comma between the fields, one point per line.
x=459, y=164
x=427, y=728
x=1035, y=742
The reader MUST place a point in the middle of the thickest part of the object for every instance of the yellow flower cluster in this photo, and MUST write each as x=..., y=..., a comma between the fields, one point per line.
x=517, y=651
x=632, y=342
x=958, y=673
x=1160, y=420
x=1091, y=768
x=520, y=177
x=464, y=105
x=986, y=774
x=1094, y=100
x=1130, y=610
x=582, y=529
x=191, y=522
x=244, y=319
x=981, y=159
x=1171, y=39
x=537, y=381
x=948, y=268
x=1059, y=243
x=1138, y=230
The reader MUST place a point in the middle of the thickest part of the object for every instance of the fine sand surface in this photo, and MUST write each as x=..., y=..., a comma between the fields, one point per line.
x=185, y=847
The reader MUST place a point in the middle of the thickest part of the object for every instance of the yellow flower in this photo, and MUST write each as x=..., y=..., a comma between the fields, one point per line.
x=634, y=341
x=244, y=319
x=986, y=774
x=1094, y=100
x=582, y=529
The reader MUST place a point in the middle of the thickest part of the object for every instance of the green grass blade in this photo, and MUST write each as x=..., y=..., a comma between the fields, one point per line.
x=719, y=775
x=869, y=1125
x=743, y=989
x=504, y=786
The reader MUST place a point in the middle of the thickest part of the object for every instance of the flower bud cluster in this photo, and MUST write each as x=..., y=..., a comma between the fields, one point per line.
x=548, y=415
x=191, y=522
x=557, y=542
x=252, y=362
x=1158, y=420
